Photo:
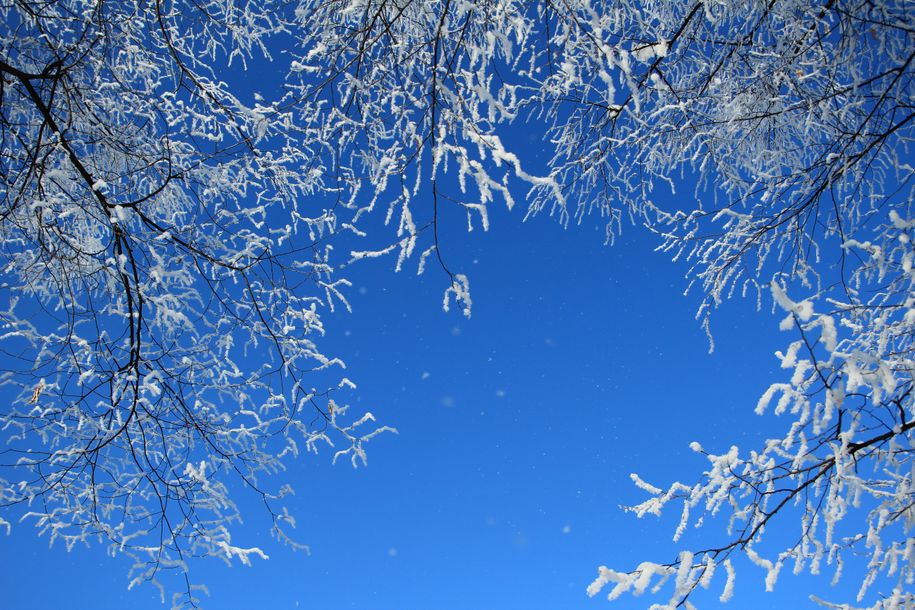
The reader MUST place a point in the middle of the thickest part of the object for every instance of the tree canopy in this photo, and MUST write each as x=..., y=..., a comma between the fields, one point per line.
x=172, y=241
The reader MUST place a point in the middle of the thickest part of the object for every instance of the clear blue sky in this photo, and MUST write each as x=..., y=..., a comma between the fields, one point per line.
x=518, y=431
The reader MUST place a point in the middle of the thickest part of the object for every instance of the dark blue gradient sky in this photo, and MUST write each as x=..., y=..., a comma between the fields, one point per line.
x=518, y=430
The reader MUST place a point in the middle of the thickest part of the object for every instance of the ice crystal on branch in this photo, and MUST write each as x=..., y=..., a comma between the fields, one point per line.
x=166, y=279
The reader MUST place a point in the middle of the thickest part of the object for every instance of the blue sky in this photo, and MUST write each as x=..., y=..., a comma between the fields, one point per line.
x=517, y=428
